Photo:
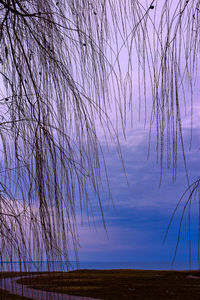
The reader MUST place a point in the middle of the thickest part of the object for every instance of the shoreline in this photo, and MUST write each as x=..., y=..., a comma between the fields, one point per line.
x=35, y=266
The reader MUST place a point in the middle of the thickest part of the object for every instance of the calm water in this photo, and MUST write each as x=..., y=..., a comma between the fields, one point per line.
x=59, y=266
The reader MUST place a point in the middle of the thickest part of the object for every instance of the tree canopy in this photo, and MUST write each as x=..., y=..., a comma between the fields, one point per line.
x=61, y=72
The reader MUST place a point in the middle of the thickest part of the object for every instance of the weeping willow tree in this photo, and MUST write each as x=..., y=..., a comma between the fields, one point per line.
x=62, y=71
x=54, y=88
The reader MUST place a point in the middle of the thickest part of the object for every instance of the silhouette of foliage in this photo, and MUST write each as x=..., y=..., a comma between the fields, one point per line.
x=62, y=71
x=53, y=68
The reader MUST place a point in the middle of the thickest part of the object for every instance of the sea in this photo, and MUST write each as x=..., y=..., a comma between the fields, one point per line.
x=43, y=266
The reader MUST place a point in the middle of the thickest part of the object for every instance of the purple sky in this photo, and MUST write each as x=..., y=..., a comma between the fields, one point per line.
x=137, y=223
x=137, y=219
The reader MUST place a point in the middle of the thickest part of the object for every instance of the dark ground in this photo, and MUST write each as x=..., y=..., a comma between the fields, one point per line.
x=122, y=284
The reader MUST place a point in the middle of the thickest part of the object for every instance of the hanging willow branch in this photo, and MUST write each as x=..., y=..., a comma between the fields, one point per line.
x=62, y=70
x=54, y=70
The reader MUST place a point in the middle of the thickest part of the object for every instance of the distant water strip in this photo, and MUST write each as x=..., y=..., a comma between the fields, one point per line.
x=42, y=266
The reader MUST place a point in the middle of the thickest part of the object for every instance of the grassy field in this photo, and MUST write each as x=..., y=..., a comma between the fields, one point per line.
x=121, y=284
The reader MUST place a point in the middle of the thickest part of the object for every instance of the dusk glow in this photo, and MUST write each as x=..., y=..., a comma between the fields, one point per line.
x=99, y=149
x=99, y=132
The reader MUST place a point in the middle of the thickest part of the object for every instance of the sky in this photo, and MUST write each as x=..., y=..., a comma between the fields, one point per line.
x=137, y=223
x=138, y=215
x=138, y=219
